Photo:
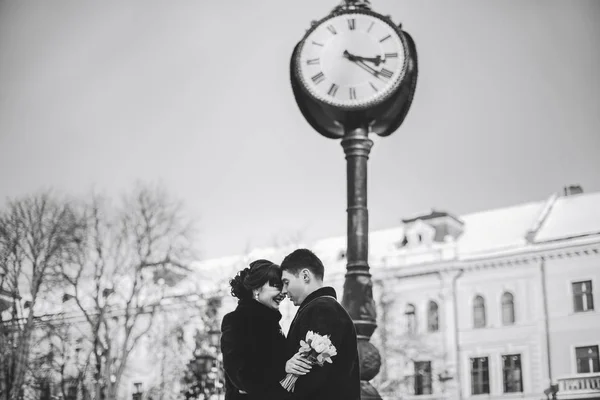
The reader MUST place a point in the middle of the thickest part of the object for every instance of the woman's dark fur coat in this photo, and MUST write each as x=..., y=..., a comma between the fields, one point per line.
x=254, y=355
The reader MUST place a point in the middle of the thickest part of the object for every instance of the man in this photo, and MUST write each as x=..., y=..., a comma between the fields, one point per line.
x=320, y=312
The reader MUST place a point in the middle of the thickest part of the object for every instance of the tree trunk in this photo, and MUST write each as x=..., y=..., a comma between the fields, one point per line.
x=22, y=357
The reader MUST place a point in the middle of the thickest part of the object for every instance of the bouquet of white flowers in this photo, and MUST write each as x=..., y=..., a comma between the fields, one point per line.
x=317, y=349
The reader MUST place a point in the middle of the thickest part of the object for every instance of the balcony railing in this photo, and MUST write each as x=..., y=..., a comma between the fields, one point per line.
x=579, y=387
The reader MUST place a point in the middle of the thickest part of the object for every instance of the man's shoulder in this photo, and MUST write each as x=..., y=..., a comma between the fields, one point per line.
x=324, y=301
x=327, y=304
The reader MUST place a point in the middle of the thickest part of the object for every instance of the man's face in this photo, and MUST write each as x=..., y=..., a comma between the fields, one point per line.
x=294, y=287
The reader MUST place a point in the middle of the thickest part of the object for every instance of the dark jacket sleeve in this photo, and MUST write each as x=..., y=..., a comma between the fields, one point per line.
x=239, y=363
x=324, y=320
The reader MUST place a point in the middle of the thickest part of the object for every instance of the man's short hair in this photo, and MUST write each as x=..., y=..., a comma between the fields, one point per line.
x=299, y=259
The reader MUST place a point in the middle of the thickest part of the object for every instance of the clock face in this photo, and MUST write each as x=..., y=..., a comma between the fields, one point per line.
x=351, y=60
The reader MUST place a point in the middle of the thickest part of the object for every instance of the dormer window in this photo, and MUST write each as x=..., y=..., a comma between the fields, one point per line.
x=434, y=226
x=419, y=233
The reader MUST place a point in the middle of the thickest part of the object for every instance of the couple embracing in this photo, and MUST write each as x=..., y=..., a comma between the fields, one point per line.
x=257, y=356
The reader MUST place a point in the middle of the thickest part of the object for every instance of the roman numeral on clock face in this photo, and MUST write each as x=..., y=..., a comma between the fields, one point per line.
x=318, y=78
x=312, y=61
x=332, y=29
x=385, y=38
x=351, y=24
x=391, y=55
x=333, y=90
x=352, y=93
x=386, y=74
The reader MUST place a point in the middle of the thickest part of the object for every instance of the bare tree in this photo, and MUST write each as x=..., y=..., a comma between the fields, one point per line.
x=113, y=274
x=36, y=234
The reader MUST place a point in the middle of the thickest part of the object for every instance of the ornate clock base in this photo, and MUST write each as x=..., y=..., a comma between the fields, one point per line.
x=368, y=392
x=370, y=363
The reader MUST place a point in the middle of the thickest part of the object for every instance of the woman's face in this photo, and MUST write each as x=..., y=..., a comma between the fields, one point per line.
x=270, y=296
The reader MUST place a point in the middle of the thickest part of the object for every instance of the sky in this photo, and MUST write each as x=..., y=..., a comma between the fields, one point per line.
x=195, y=95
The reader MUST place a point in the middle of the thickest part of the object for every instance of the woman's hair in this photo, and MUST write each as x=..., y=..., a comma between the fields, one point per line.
x=254, y=277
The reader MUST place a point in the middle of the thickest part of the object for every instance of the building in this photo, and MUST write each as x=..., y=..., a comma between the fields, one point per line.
x=494, y=304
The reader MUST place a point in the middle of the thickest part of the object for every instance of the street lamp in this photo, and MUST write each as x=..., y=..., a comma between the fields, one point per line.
x=214, y=337
x=205, y=362
x=137, y=391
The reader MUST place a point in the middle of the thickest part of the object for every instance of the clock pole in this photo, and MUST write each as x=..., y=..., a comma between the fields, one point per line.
x=358, y=287
x=353, y=126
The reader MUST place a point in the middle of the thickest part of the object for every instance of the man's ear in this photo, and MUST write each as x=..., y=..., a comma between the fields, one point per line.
x=305, y=275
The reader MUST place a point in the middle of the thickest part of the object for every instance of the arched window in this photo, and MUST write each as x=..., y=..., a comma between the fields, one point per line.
x=411, y=319
x=478, y=312
x=433, y=321
x=508, y=309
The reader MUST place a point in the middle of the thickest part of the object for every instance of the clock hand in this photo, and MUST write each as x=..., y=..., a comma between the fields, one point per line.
x=368, y=68
x=364, y=66
x=375, y=60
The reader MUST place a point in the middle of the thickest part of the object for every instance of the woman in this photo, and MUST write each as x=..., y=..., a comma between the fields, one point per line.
x=252, y=341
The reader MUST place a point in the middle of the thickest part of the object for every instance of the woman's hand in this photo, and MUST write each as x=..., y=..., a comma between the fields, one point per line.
x=298, y=365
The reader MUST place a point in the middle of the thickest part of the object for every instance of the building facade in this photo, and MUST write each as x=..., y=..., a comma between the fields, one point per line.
x=496, y=304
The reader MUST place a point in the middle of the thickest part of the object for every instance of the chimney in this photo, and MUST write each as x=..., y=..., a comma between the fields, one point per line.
x=572, y=190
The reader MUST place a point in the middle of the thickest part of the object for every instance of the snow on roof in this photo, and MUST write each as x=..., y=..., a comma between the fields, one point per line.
x=498, y=228
x=572, y=216
x=485, y=232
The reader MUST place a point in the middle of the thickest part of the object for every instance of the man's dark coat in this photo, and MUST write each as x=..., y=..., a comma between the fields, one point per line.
x=321, y=313
x=254, y=355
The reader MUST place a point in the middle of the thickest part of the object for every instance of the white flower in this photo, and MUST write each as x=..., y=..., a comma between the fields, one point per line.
x=332, y=351
x=304, y=347
x=310, y=335
x=319, y=346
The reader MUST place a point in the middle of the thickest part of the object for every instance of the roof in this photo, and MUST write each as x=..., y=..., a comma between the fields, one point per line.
x=432, y=215
x=572, y=216
x=497, y=229
x=487, y=232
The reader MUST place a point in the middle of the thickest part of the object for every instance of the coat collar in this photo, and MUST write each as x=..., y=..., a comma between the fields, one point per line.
x=258, y=309
x=324, y=291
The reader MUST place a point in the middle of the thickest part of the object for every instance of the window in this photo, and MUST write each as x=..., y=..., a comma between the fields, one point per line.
x=478, y=312
x=508, y=309
x=45, y=389
x=411, y=319
x=423, y=377
x=511, y=372
x=433, y=322
x=583, y=299
x=587, y=359
x=480, y=375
